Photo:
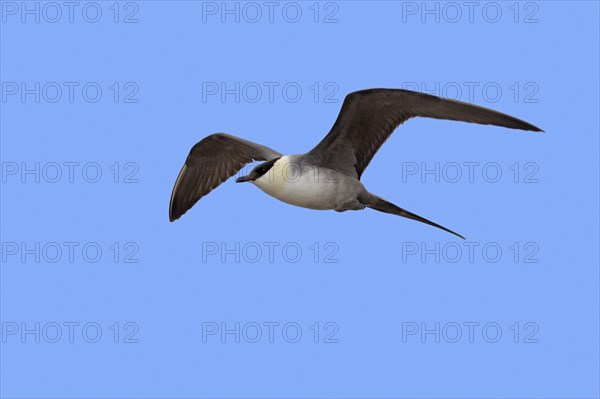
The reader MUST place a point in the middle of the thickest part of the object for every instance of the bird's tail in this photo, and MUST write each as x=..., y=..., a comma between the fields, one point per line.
x=381, y=205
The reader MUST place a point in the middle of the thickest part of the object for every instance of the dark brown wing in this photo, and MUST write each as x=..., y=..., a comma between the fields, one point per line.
x=369, y=117
x=212, y=161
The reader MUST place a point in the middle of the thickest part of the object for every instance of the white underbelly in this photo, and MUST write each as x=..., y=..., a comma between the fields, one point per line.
x=307, y=189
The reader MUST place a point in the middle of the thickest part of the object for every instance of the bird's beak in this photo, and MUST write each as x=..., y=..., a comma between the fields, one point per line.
x=242, y=179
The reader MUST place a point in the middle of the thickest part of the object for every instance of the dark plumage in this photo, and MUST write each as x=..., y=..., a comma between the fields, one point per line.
x=365, y=122
x=369, y=117
x=211, y=161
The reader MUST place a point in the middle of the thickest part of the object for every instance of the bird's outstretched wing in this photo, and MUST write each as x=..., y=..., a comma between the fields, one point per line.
x=368, y=118
x=211, y=161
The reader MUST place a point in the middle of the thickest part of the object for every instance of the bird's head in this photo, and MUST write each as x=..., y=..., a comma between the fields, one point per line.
x=258, y=171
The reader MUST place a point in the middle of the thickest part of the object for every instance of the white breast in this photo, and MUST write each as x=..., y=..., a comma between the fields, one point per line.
x=306, y=187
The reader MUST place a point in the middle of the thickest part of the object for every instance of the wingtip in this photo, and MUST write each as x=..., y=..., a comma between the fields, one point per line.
x=174, y=211
x=175, y=203
x=455, y=233
x=528, y=127
x=536, y=129
x=173, y=216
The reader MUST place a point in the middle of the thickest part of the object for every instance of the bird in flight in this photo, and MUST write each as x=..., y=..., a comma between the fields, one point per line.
x=328, y=176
